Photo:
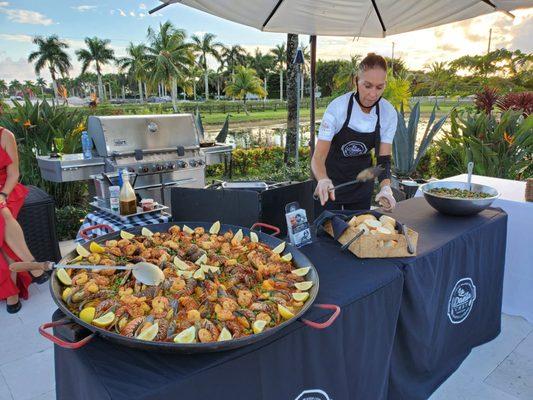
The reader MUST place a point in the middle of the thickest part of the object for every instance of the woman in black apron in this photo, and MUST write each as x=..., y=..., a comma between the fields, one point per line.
x=348, y=153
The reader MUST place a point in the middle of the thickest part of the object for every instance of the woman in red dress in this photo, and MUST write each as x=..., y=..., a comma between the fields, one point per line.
x=12, y=244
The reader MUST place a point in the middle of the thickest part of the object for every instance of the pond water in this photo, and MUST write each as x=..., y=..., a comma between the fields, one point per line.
x=274, y=135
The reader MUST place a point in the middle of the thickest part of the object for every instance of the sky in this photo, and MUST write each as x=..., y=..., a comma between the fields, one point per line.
x=124, y=21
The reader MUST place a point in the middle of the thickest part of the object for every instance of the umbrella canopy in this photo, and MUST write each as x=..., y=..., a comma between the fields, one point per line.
x=368, y=18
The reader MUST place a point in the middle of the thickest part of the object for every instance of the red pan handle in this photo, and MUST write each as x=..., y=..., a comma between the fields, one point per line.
x=60, y=342
x=271, y=227
x=83, y=232
x=331, y=319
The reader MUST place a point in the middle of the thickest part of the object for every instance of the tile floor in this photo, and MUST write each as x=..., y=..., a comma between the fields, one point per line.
x=499, y=370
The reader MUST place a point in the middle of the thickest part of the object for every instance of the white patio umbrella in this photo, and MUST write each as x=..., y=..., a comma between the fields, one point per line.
x=356, y=18
x=365, y=18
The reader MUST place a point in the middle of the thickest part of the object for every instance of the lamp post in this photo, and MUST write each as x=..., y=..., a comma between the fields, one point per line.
x=298, y=61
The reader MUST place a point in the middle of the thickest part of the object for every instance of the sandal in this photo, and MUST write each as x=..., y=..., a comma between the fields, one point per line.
x=43, y=278
x=14, y=308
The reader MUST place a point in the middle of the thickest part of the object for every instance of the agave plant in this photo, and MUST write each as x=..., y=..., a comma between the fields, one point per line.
x=405, y=153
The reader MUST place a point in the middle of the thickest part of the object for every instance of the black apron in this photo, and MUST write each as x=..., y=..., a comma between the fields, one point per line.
x=348, y=155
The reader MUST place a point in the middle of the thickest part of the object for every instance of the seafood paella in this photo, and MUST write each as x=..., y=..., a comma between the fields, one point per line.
x=216, y=286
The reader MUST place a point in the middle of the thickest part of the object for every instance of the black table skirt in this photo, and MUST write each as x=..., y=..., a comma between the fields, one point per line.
x=440, y=320
x=349, y=360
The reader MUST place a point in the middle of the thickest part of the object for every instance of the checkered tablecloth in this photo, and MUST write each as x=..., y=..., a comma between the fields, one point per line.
x=117, y=224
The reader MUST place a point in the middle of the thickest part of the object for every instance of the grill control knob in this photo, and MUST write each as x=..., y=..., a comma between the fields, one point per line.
x=132, y=170
x=182, y=164
x=200, y=162
x=193, y=163
x=143, y=170
x=170, y=166
x=159, y=168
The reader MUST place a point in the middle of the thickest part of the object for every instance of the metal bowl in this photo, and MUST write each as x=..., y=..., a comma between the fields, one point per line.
x=456, y=205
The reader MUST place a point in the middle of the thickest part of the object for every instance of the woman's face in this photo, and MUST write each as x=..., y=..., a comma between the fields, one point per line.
x=370, y=85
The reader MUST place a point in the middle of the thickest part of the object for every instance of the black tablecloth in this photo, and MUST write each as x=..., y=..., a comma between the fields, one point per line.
x=349, y=360
x=452, y=295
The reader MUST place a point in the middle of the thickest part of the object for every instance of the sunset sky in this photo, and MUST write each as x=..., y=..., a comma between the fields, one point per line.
x=123, y=21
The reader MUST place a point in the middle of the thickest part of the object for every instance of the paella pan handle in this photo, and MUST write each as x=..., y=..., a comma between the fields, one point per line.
x=263, y=225
x=83, y=232
x=331, y=319
x=60, y=342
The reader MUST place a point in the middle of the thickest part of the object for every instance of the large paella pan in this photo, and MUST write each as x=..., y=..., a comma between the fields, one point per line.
x=225, y=287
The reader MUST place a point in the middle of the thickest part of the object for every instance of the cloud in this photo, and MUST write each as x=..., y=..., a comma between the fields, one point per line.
x=20, y=69
x=84, y=8
x=142, y=6
x=16, y=38
x=121, y=12
x=132, y=14
x=24, y=16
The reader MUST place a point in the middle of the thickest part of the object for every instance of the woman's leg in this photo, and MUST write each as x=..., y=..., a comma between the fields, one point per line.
x=14, y=237
x=11, y=299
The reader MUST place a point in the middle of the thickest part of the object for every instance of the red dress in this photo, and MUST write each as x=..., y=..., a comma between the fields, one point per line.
x=14, y=202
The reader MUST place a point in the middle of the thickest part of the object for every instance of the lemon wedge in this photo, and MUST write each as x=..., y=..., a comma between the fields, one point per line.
x=303, y=286
x=301, y=271
x=186, y=336
x=146, y=232
x=215, y=228
x=188, y=230
x=63, y=277
x=206, y=268
x=285, y=312
x=82, y=251
x=199, y=274
x=237, y=238
x=287, y=257
x=96, y=248
x=126, y=235
x=105, y=320
x=253, y=237
x=213, y=269
x=201, y=260
x=224, y=335
x=303, y=296
x=150, y=333
x=184, y=274
x=279, y=248
x=181, y=264
x=87, y=314
x=66, y=293
x=75, y=260
x=258, y=326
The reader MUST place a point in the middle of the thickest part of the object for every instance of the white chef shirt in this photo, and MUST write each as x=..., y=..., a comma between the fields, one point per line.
x=360, y=121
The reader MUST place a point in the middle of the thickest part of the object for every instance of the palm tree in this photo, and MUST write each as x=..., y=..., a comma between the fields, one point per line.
x=280, y=60
x=233, y=56
x=263, y=64
x=14, y=86
x=134, y=64
x=245, y=82
x=41, y=83
x=98, y=53
x=292, y=99
x=3, y=88
x=169, y=57
x=439, y=77
x=206, y=46
x=51, y=53
x=345, y=78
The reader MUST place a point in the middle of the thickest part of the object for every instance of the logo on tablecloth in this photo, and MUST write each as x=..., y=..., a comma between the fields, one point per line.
x=461, y=300
x=354, y=149
x=313, y=394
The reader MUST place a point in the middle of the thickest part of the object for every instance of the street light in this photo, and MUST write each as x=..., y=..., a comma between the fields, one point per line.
x=298, y=61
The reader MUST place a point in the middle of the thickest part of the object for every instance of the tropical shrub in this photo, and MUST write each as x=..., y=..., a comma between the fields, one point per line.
x=38, y=128
x=500, y=145
x=406, y=156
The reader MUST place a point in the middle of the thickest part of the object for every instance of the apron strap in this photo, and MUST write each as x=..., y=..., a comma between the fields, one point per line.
x=377, y=132
x=348, y=112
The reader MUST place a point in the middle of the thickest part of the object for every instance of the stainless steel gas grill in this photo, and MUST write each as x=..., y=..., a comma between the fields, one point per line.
x=160, y=151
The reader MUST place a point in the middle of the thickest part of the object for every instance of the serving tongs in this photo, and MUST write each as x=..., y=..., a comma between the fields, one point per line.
x=144, y=272
x=365, y=175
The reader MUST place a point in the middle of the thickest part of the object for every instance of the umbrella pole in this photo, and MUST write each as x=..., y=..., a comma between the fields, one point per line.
x=312, y=39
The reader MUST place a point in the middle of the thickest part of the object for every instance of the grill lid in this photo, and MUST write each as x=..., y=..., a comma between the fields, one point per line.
x=125, y=134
